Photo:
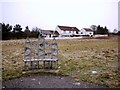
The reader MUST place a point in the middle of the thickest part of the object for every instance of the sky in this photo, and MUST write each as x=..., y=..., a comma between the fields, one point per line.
x=47, y=14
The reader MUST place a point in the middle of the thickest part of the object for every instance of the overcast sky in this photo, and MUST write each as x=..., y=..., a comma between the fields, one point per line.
x=47, y=14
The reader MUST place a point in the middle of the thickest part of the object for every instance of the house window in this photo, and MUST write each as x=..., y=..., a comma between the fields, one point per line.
x=90, y=33
x=81, y=32
x=49, y=35
x=64, y=31
x=76, y=32
x=69, y=31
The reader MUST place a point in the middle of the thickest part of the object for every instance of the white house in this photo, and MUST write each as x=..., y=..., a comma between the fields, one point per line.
x=86, y=32
x=49, y=33
x=67, y=31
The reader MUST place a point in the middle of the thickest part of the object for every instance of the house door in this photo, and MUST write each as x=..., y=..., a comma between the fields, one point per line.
x=49, y=35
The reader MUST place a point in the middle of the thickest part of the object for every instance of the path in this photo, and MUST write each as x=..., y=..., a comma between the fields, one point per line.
x=47, y=82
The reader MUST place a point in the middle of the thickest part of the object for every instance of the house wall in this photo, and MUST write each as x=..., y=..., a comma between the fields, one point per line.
x=63, y=33
x=74, y=32
x=49, y=36
x=66, y=33
x=84, y=32
x=89, y=33
x=59, y=31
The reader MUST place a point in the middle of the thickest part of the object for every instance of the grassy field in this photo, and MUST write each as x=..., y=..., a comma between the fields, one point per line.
x=78, y=58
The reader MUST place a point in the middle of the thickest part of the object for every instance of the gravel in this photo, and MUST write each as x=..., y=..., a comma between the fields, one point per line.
x=47, y=82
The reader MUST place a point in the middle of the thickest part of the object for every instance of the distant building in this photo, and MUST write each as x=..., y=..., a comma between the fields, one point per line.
x=67, y=31
x=86, y=32
x=49, y=33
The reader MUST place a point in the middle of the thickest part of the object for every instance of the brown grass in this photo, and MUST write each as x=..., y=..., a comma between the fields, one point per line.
x=77, y=58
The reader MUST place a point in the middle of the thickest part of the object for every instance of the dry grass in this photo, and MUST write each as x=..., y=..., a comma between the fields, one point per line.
x=78, y=58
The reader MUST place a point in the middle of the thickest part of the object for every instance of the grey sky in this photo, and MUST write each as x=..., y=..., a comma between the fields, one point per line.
x=46, y=14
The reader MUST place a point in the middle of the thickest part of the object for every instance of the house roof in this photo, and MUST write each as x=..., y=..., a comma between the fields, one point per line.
x=68, y=28
x=56, y=33
x=49, y=32
x=88, y=30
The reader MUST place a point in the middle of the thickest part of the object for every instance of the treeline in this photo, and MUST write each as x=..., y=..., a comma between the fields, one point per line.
x=101, y=30
x=15, y=32
x=10, y=32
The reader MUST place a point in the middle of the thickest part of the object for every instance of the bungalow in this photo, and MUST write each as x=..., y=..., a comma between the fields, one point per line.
x=86, y=32
x=67, y=31
x=49, y=33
